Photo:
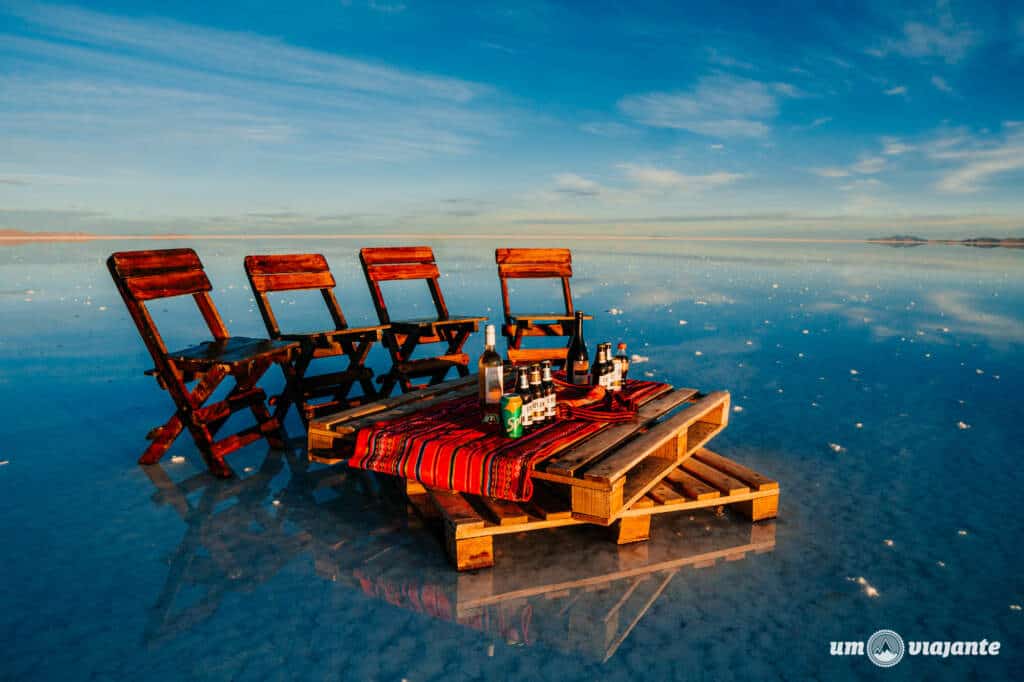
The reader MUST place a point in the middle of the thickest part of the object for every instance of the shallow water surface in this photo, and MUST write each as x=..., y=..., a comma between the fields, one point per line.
x=879, y=386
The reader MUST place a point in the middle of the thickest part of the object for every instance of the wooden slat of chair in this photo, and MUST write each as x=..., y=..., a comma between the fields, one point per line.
x=308, y=271
x=535, y=264
x=142, y=276
x=403, y=337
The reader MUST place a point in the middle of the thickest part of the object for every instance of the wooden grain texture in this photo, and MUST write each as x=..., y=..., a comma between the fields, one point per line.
x=136, y=263
x=741, y=473
x=398, y=254
x=568, y=462
x=275, y=264
x=615, y=465
x=504, y=512
x=292, y=281
x=691, y=486
x=457, y=511
x=168, y=284
x=718, y=479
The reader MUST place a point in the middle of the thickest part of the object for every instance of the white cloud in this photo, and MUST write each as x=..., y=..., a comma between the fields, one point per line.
x=818, y=122
x=576, y=185
x=940, y=83
x=941, y=37
x=979, y=160
x=831, y=172
x=652, y=177
x=861, y=185
x=869, y=165
x=898, y=90
x=892, y=146
x=608, y=129
x=718, y=106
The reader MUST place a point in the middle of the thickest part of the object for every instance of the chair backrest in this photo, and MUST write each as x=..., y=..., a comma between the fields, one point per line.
x=291, y=272
x=143, y=276
x=534, y=264
x=402, y=263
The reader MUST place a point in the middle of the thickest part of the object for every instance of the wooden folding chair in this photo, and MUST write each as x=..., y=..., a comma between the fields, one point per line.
x=535, y=264
x=307, y=271
x=402, y=337
x=142, y=276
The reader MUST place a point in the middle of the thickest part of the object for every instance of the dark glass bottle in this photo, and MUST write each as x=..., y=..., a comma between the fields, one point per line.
x=623, y=361
x=540, y=413
x=523, y=390
x=490, y=376
x=577, y=360
x=548, y=385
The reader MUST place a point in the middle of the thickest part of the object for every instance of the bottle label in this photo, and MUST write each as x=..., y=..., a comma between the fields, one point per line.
x=581, y=372
x=551, y=406
x=527, y=419
x=493, y=385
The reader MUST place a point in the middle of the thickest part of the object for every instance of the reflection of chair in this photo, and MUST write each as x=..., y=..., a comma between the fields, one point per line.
x=142, y=276
x=310, y=271
x=535, y=264
x=402, y=337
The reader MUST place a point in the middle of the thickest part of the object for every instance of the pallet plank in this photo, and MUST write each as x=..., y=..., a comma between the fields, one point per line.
x=570, y=461
x=507, y=513
x=662, y=493
x=615, y=466
x=755, y=480
x=456, y=509
x=548, y=503
x=691, y=486
x=724, y=482
x=642, y=478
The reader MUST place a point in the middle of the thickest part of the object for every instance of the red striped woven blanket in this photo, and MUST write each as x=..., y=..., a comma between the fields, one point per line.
x=447, y=446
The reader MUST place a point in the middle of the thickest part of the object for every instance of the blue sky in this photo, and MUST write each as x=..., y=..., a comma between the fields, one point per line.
x=850, y=119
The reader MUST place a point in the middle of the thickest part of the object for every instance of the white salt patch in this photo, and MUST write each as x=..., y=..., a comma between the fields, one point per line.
x=805, y=331
x=940, y=564
x=945, y=330
x=177, y=459
x=1015, y=607
x=799, y=355
x=996, y=377
x=836, y=448
x=854, y=372
x=700, y=302
x=963, y=426
x=638, y=359
x=979, y=371
x=961, y=532
x=814, y=404
x=889, y=543
x=750, y=343
x=614, y=311
x=4, y=462
x=859, y=425
x=276, y=503
x=247, y=469
x=648, y=374
x=737, y=408
x=775, y=286
x=779, y=391
x=683, y=322
x=102, y=308
x=698, y=353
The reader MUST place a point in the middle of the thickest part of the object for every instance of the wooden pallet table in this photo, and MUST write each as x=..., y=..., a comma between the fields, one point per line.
x=623, y=474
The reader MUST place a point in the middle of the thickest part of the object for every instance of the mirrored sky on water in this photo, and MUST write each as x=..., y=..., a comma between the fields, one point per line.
x=877, y=385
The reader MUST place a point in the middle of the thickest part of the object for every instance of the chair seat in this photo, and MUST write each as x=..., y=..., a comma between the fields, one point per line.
x=231, y=351
x=430, y=322
x=525, y=318
x=332, y=337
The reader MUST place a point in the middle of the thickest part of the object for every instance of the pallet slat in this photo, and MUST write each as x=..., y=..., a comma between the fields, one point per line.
x=755, y=480
x=724, y=482
x=616, y=465
x=457, y=511
x=507, y=513
x=691, y=486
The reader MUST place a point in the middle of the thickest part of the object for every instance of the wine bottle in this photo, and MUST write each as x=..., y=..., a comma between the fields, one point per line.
x=577, y=359
x=491, y=379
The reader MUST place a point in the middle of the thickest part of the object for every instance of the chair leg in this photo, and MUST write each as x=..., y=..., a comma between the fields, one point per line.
x=163, y=437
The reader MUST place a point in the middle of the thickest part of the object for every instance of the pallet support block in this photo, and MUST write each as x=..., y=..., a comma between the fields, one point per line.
x=469, y=553
x=759, y=508
x=635, y=528
x=597, y=502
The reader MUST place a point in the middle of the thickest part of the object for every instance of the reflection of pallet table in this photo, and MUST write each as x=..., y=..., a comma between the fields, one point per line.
x=706, y=480
x=622, y=474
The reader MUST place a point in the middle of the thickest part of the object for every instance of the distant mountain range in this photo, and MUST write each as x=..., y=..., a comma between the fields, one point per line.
x=980, y=242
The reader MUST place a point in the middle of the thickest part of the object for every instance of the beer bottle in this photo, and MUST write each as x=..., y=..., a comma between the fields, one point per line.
x=540, y=412
x=548, y=385
x=523, y=389
x=490, y=378
x=577, y=360
x=622, y=360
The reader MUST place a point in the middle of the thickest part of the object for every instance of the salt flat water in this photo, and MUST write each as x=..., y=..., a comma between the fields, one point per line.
x=880, y=386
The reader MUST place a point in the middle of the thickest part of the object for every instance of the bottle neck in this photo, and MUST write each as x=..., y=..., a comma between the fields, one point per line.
x=489, y=338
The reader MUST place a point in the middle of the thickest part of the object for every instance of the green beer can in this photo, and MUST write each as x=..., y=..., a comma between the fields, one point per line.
x=512, y=416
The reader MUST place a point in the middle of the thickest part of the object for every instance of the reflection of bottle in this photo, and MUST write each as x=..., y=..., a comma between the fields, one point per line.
x=577, y=360
x=491, y=379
